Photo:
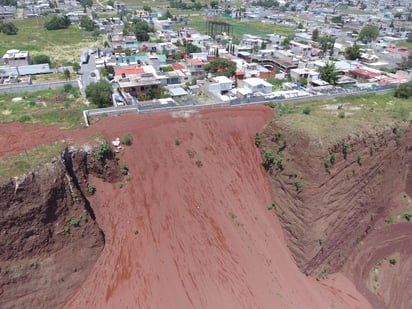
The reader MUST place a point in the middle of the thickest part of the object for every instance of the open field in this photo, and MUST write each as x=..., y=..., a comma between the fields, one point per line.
x=26, y=161
x=240, y=28
x=346, y=115
x=62, y=45
x=49, y=107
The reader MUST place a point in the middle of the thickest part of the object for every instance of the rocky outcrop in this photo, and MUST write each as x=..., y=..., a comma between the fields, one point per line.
x=49, y=239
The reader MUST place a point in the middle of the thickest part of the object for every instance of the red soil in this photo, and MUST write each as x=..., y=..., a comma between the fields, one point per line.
x=191, y=229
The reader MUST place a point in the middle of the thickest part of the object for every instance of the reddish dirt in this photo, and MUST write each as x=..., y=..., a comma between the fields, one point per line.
x=191, y=228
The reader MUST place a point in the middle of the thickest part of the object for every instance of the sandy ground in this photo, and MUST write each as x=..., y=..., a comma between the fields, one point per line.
x=191, y=229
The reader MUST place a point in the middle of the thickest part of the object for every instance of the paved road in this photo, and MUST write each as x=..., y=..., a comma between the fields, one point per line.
x=86, y=71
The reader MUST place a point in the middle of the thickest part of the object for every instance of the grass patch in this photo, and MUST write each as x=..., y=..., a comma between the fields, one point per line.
x=362, y=113
x=46, y=107
x=61, y=45
x=25, y=162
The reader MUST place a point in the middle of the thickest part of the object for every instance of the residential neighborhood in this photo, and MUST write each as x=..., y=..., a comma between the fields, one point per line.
x=149, y=54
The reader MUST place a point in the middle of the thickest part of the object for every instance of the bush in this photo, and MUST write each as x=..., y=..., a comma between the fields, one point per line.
x=57, y=23
x=407, y=216
x=272, y=206
x=298, y=185
x=404, y=91
x=258, y=139
x=91, y=188
x=269, y=159
x=345, y=150
x=123, y=169
x=392, y=261
x=103, y=151
x=127, y=139
x=177, y=142
x=74, y=222
x=307, y=110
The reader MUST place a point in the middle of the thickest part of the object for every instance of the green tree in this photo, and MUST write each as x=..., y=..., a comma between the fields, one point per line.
x=37, y=59
x=141, y=30
x=66, y=73
x=100, y=93
x=87, y=24
x=8, y=28
x=368, y=34
x=353, y=52
x=214, y=4
x=315, y=34
x=329, y=73
x=76, y=67
x=147, y=8
x=404, y=91
x=221, y=66
x=128, y=51
x=300, y=26
x=56, y=23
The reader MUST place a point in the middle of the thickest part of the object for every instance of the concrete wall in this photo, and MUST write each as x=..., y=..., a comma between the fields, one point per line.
x=35, y=87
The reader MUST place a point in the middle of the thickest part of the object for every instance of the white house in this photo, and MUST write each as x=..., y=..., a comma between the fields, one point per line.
x=255, y=84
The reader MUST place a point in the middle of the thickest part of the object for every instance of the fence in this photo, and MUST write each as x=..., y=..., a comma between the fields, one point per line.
x=36, y=87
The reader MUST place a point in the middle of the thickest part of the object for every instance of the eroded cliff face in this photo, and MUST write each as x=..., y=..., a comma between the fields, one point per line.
x=331, y=199
x=49, y=238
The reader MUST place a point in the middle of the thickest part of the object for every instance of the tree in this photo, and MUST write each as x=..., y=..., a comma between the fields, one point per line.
x=221, y=66
x=315, y=34
x=38, y=59
x=166, y=15
x=87, y=24
x=368, y=34
x=353, y=52
x=57, y=22
x=327, y=43
x=100, y=93
x=329, y=73
x=214, y=4
x=8, y=28
x=300, y=26
x=76, y=67
x=147, y=8
x=404, y=91
x=191, y=48
x=66, y=73
x=86, y=3
x=141, y=29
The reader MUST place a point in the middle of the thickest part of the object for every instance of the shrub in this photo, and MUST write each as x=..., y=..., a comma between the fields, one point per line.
x=307, y=110
x=67, y=229
x=74, y=195
x=258, y=139
x=127, y=139
x=359, y=160
x=91, y=188
x=272, y=206
x=407, y=216
x=345, y=150
x=323, y=274
x=24, y=118
x=103, y=151
x=123, y=169
x=389, y=220
x=298, y=185
x=177, y=142
x=328, y=164
x=341, y=114
x=269, y=159
x=74, y=222
x=392, y=261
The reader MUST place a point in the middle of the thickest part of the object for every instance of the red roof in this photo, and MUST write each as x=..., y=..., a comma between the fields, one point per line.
x=129, y=71
x=178, y=66
x=196, y=62
x=401, y=50
x=365, y=73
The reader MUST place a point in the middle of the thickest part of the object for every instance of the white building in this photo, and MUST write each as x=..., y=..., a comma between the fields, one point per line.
x=255, y=84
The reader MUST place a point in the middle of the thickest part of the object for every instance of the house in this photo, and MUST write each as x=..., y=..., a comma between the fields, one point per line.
x=196, y=67
x=298, y=73
x=15, y=57
x=255, y=85
x=218, y=85
x=7, y=12
x=140, y=82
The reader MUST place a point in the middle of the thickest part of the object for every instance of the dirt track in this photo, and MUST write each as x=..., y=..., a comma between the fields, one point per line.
x=191, y=229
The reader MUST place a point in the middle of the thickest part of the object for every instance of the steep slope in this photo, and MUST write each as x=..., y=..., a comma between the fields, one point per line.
x=190, y=228
x=333, y=212
x=49, y=239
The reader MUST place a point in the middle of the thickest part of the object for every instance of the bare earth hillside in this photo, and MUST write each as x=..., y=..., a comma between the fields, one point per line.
x=190, y=226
